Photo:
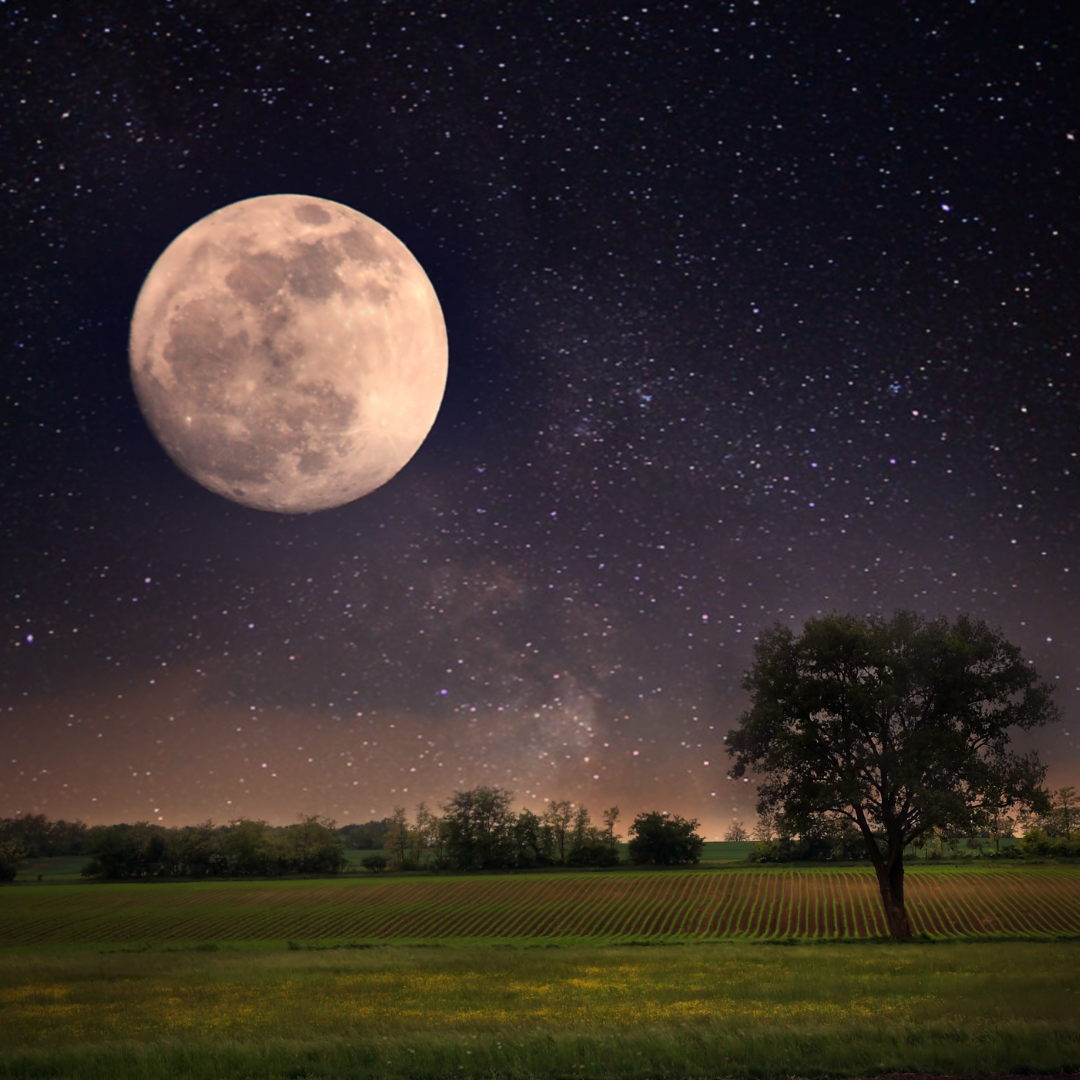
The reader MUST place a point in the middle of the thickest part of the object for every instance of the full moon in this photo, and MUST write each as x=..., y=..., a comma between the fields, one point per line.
x=289, y=353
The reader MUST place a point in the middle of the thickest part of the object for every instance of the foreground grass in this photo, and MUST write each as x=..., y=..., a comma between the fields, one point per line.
x=722, y=1010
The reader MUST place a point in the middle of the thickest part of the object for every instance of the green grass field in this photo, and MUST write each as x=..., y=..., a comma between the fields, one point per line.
x=139, y=982
x=53, y=868
x=725, y=1010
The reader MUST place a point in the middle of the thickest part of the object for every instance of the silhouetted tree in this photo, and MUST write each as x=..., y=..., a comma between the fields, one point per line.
x=396, y=844
x=611, y=816
x=11, y=855
x=252, y=847
x=529, y=847
x=1062, y=817
x=195, y=851
x=820, y=838
x=899, y=726
x=313, y=847
x=664, y=839
x=126, y=851
x=424, y=836
x=479, y=827
x=366, y=837
x=38, y=836
x=558, y=819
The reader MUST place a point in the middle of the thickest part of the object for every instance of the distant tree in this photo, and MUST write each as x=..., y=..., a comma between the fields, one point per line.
x=34, y=834
x=127, y=851
x=396, y=844
x=31, y=832
x=371, y=835
x=664, y=839
x=37, y=836
x=736, y=833
x=479, y=825
x=440, y=844
x=195, y=851
x=765, y=828
x=11, y=855
x=350, y=834
x=1062, y=817
x=582, y=831
x=900, y=726
x=611, y=817
x=423, y=836
x=1053, y=832
x=68, y=837
x=375, y=863
x=313, y=847
x=818, y=838
x=529, y=846
x=1037, y=842
x=549, y=855
x=999, y=827
x=558, y=818
x=251, y=848
x=844, y=839
x=24, y=830
x=594, y=851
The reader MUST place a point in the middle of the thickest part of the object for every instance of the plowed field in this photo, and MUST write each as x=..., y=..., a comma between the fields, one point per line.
x=617, y=906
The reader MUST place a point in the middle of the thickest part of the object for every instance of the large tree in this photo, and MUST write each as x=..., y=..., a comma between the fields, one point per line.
x=901, y=726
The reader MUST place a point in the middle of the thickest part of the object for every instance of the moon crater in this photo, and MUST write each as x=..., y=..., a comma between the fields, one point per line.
x=289, y=353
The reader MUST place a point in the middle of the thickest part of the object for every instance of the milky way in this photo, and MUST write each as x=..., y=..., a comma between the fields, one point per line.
x=755, y=311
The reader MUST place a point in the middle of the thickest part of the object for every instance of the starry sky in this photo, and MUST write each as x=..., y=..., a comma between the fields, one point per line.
x=756, y=311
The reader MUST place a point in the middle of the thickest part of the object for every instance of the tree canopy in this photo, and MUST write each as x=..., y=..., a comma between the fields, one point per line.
x=664, y=839
x=482, y=832
x=479, y=827
x=242, y=848
x=899, y=726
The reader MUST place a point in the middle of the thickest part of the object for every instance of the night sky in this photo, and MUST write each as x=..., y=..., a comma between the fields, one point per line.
x=756, y=311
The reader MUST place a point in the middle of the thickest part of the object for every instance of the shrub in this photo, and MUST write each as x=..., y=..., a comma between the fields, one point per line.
x=664, y=839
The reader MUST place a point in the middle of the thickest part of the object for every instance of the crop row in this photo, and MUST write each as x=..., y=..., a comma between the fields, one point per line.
x=762, y=904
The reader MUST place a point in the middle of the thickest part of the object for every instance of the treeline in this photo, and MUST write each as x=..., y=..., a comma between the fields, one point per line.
x=1054, y=833
x=828, y=839
x=34, y=836
x=37, y=837
x=478, y=829
x=242, y=848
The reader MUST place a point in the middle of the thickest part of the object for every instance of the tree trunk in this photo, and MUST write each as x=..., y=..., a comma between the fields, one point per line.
x=890, y=875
